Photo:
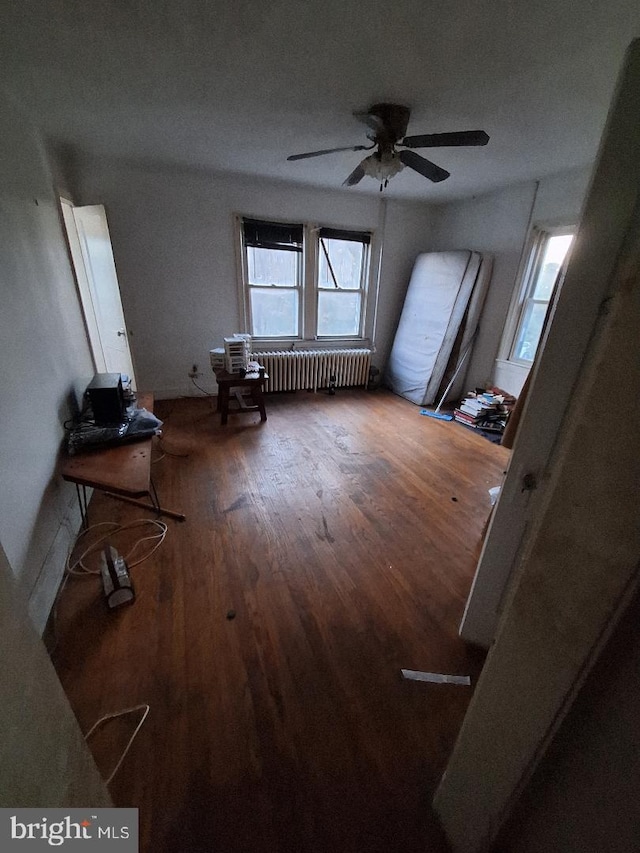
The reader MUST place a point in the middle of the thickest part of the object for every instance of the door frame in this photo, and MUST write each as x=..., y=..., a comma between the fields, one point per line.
x=575, y=572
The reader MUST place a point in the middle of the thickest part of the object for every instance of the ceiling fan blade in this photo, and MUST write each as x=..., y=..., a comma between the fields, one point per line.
x=443, y=140
x=329, y=151
x=355, y=177
x=424, y=167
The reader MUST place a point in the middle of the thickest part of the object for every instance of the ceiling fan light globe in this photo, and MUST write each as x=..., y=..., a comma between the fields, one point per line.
x=382, y=166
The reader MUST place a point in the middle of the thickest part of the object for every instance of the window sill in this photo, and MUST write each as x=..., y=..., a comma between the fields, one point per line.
x=510, y=375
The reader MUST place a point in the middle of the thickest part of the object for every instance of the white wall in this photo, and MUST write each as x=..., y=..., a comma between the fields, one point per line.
x=45, y=363
x=498, y=223
x=173, y=239
x=44, y=760
x=407, y=233
x=43, y=756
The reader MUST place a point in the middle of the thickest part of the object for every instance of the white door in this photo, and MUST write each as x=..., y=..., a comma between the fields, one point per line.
x=92, y=255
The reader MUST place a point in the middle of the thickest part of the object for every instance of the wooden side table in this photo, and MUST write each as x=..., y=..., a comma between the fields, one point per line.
x=253, y=386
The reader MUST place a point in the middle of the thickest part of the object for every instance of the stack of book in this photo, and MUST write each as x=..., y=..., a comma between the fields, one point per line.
x=485, y=410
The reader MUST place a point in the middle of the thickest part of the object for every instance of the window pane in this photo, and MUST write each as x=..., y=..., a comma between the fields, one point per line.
x=554, y=254
x=338, y=312
x=274, y=312
x=530, y=330
x=272, y=267
x=346, y=259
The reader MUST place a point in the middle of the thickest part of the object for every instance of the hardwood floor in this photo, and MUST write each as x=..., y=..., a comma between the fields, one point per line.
x=343, y=534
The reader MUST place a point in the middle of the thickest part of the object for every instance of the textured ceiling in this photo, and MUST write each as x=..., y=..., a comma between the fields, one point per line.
x=237, y=86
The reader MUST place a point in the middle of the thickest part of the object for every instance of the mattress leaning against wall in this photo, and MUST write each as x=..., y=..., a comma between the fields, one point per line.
x=436, y=304
x=454, y=381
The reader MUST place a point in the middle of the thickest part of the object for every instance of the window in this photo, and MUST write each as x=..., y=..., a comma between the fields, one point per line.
x=303, y=282
x=549, y=250
x=342, y=269
x=273, y=256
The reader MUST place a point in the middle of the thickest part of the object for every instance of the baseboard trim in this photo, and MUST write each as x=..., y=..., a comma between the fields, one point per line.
x=190, y=391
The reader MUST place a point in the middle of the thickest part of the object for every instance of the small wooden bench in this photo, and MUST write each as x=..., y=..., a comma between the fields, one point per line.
x=247, y=390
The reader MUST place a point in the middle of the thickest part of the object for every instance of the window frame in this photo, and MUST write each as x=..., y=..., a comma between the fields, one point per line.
x=361, y=290
x=308, y=283
x=523, y=298
x=247, y=286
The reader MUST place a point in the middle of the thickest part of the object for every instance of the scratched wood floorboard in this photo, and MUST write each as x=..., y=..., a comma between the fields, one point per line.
x=332, y=533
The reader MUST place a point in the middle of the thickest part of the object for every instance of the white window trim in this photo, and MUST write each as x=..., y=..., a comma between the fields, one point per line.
x=363, y=290
x=540, y=231
x=244, y=286
x=308, y=302
x=310, y=249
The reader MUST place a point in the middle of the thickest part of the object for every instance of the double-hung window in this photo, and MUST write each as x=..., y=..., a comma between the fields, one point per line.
x=273, y=261
x=343, y=264
x=303, y=282
x=548, y=253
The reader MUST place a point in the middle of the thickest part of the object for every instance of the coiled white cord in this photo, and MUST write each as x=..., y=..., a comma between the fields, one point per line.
x=78, y=566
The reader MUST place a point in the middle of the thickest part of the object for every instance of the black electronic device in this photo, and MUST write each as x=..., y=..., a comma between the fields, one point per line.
x=116, y=581
x=106, y=396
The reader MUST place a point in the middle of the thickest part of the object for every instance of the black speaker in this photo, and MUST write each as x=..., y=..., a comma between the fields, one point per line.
x=107, y=398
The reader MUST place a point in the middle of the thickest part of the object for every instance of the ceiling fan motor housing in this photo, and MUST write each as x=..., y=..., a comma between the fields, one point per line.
x=392, y=124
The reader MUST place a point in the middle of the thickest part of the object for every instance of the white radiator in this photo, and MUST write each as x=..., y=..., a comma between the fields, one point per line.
x=301, y=370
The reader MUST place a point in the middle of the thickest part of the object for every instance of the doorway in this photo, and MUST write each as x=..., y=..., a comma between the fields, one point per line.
x=92, y=256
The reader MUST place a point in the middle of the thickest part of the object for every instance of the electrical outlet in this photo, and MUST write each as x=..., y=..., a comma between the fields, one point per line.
x=193, y=373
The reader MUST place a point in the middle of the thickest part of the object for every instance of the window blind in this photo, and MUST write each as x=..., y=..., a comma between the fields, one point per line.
x=272, y=235
x=338, y=234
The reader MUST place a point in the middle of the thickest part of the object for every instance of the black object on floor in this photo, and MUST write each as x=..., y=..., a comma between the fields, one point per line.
x=491, y=435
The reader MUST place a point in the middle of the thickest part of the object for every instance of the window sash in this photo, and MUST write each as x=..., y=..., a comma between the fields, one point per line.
x=288, y=280
x=526, y=322
x=343, y=296
x=256, y=294
x=330, y=266
x=356, y=293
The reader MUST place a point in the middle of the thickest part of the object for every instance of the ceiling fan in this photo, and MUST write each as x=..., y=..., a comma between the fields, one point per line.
x=387, y=125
